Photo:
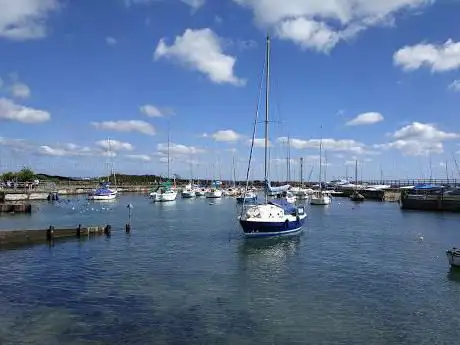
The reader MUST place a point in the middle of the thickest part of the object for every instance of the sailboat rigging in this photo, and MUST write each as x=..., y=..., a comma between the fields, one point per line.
x=106, y=192
x=319, y=197
x=276, y=218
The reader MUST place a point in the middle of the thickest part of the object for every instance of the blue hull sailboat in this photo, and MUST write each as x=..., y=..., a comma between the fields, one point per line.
x=275, y=218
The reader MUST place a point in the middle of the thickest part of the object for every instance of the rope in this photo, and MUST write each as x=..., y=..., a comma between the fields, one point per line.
x=254, y=131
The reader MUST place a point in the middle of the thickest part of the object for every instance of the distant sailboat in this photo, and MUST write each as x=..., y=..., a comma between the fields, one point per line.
x=189, y=191
x=165, y=192
x=106, y=192
x=355, y=196
x=320, y=197
x=276, y=218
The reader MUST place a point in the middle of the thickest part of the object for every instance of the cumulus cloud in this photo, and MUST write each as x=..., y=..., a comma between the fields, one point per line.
x=64, y=150
x=111, y=41
x=114, y=145
x=25, y=19
x=437, y=57
x=126, y=126
x=346, y=145
x=322, y=24
x=10, y=111
x=194, y=4
x=140, y=157
x=455, y=86
x=419, y=139
x=20, y=90
x=226, y=135
x=178, y=149
x=259, y=142
x=366, y=119
x=154, y=111
x=201, y=50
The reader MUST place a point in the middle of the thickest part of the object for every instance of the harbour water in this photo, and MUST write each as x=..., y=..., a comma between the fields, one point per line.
x=359, y=274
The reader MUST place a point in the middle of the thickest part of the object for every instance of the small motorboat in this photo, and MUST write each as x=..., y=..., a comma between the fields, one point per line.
x=453, y=255
x=320, y=198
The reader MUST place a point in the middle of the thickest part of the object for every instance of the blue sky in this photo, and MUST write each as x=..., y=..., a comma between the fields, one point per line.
x=378, y=80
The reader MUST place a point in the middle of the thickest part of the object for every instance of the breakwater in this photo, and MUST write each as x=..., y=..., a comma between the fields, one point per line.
x=43, y=192
x=15, y=238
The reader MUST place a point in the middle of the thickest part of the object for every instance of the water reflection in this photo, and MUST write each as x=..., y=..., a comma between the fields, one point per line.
x=454, y=274
x=271, y=253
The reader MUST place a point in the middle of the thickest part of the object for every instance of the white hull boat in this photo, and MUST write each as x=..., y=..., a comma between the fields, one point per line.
x=214, y=194
x=200, y=192
x=166, y=196
x=188, y=194
x=320, y=198
x=106, y=197
x=291, y=198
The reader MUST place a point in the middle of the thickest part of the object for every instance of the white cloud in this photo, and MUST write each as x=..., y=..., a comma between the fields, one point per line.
x=419, y=139
x=65, y=150
x=226, y=135
x=144, y=158
x=178, y=149
x=20, y=90
x=218, y=20
x=153, y=111
x=439, y=58
x=283, y=161
x=309, y=34
x=366, y=119
x=321, y=24
x=259, y=142
x=111, y=41
x=455, y=85
x=194, y=4
x=10, y=111
x=201, y=50
x=15, y=143
x=346, y=145
x=114, y=145
x=25, y=19
x=126, y=126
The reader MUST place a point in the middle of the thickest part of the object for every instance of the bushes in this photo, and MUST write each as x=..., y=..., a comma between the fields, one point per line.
x=24, y=175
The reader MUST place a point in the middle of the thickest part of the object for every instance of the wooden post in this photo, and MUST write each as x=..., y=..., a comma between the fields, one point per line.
x=128, y=226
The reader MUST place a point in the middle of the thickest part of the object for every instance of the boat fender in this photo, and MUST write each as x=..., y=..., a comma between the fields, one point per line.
x=286, y=223
x=297, y=218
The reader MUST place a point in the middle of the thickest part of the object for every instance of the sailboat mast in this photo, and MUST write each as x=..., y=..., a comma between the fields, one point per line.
x=234, y=170
x=267, y=94
x=109, y=152
x=356, y=174
x=301, y=171
x=447, y=173
x=169, y=140
x=320, y=163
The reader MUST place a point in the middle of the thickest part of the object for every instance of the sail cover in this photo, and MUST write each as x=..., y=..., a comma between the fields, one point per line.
x=279, y=189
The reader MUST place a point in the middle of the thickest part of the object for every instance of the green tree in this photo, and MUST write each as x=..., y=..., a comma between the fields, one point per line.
x=26, y=175
x=8, y=176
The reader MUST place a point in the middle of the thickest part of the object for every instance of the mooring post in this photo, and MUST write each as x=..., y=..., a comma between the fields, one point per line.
x=50, y=235
x=108, y=230
x=79, y=231
x=128, y=226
